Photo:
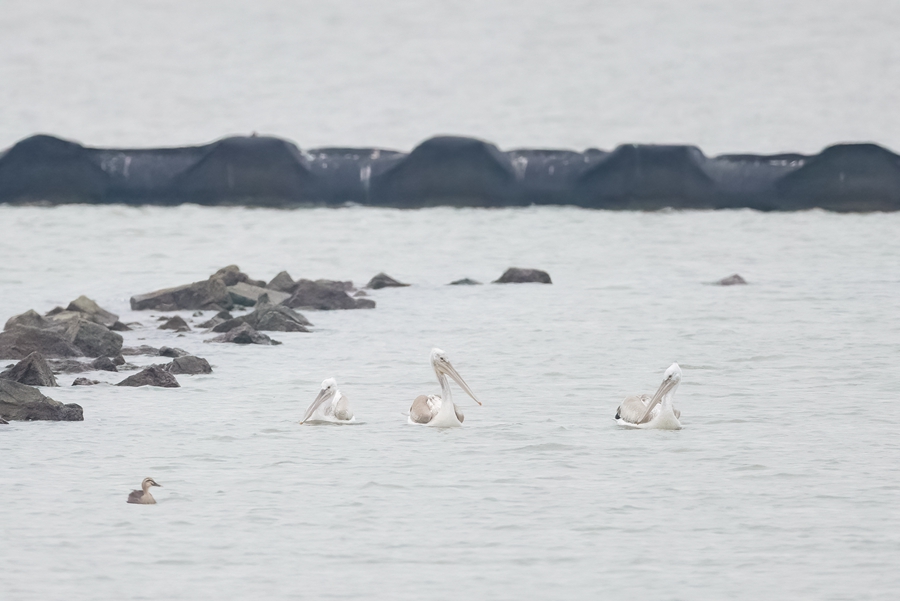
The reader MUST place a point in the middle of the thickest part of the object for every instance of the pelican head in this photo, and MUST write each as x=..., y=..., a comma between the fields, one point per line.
x=443, y=367
x=148, y=482
x=329, y=389
x=670, y=382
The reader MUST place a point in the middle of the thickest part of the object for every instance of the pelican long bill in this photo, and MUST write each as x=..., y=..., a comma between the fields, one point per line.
x=451, y=371
x=657, y=397
x=324, y=395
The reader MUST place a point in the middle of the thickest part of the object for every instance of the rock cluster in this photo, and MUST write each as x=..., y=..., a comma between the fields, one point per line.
x=20, y=402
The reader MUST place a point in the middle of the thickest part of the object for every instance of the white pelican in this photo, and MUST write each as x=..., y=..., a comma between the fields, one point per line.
x=143, y=496
x=330, y=406
x=439, y=411
x=656, y=412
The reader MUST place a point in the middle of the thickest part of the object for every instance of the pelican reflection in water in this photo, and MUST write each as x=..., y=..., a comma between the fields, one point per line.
x=656, y=412
x=330, y=406
x=439, y=411
x=143, y=496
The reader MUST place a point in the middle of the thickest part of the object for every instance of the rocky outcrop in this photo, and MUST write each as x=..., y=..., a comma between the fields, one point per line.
x=94, y=340
x=176, y=324
x=283, y=282
x=84, y=382
x=103, y=364
x=516, y=275
x=151, y=376
x=268, y=317
x=232, y=276
x=218, y=318
x=93, y=312
x=143, y=349
x=465, y=282
x=33, y=370
x=308, y=294
x=165, y=351
x=30, y=318
x=189, y=364
x=20, y=341
x=19, y=402
x=207, y=294
x=244, y=334
x=383, y=280
x=732, y=280
x=248, y=295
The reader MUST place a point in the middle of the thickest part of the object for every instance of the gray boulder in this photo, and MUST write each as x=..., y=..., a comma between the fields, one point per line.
x=103, y=364
x=465, y=282
x=232, y=275
x=244, y=334
x=151, y=376
x=218, y=318
x=120, y=327
x=92, y=311
x=175, y=323
x=281, y=282
x=165, y=351
x=20, y=341
x=322, y=297
x=208, y=294
x=383, y=280
x=68, y=366
x=732, y=280
x=84, y=382
x=93, y=339
x=33, y=370
x=19, y=402
x=144, y=349
x=247, y=295
x=516, y=275
x=189, y=364
x=30, y=318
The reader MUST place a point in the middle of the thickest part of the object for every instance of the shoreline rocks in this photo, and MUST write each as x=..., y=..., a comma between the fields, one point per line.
x=153, y=375
x=516, y=275
x=190, y=365
x=383, y=280
x=732, y=280
x=19, y=402
x=33, y=370
x=244, y=334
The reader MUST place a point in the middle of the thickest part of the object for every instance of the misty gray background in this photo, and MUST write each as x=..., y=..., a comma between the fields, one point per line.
x=761, y=76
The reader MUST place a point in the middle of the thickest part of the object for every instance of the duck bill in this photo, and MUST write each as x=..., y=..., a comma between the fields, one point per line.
x=451, y=371
x=324, y=395
x=658, y=396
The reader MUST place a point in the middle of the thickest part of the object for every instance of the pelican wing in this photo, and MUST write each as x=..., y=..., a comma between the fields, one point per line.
x=342, y=408
x=423, y=410
x=633, y=408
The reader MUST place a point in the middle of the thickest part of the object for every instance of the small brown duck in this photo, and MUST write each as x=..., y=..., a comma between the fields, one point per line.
x=143, y=496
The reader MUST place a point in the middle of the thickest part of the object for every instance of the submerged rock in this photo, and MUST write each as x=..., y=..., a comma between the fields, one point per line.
x=189, y=364
x=151, y=376
x=324, y=297
x=84, y=382
x=103, y=364
x=144, y=349
x=120, y=327
x=732, y=280
x=33, y=370
x=20, y=341
x=465, y=282
x=23, y=403
x=166, y=351
x=244, y=334
x=118, y=360
x=175, y=323
x=383, y=280
x=516, y=275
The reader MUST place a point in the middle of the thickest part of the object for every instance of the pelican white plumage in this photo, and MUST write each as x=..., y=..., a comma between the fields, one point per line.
x=331, y=405
x=439, y=411
x=656, y=412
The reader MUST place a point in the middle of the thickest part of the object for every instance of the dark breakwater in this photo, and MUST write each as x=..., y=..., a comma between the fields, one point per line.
x=449, y=171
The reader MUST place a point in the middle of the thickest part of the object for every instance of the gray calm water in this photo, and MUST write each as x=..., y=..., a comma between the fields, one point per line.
x=782, y=484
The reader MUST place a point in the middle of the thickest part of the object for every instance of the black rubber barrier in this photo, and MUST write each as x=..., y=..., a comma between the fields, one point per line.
x=449, y=171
